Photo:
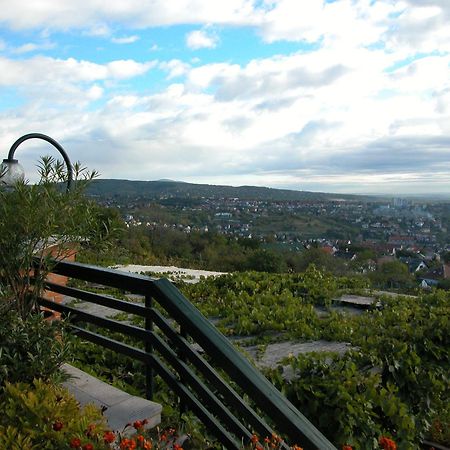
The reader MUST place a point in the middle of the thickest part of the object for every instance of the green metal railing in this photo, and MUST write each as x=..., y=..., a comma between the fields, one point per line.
x=168, y=352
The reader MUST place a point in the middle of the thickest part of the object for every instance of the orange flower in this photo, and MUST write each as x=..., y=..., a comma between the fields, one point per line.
x=109, y=437
x=88, y=447
x=387, y=444
x=90, y=429
x=296, y=447
x=138, y=424
x=75, y=443
x=276, y=438
x=127, y=444
x=148, y=445
x=254, y=438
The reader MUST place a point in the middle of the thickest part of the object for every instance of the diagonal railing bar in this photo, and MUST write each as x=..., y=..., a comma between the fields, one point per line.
x=216, y=346
x=171, y=380
x=210, y=399
x=216, y=406
x=228, y=393
x=285, y=415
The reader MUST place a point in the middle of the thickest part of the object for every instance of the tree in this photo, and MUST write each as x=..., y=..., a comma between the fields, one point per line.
x=392, y=274
x=263, y=260
x=35, y=218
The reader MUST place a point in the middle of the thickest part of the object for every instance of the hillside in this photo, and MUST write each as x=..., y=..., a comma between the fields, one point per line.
x=159, y=189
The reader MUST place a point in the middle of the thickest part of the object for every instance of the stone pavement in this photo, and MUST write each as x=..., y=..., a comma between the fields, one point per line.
x=274, y=353
x=121, y=408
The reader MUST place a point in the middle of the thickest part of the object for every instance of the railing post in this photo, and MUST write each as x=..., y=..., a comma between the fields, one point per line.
x=149, y=375
x=182, y=356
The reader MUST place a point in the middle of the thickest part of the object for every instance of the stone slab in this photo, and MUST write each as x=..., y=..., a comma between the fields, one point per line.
x=276, y=352
x=357, y=300
x=121, y=407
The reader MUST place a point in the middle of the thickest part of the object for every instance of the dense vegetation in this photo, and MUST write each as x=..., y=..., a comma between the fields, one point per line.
x=393, y=382
x=154, y=189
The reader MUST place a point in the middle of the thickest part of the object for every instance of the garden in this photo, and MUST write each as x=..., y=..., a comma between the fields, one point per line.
x=390, y=389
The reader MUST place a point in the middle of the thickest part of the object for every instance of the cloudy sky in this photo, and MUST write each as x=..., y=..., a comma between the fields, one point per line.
x=334, y=96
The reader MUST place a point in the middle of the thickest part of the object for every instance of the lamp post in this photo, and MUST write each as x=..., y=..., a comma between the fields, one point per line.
x=11, y=171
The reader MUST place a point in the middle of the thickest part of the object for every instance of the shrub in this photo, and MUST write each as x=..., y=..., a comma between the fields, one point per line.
x=46, y=417
x=34, y=218
x=30, y=348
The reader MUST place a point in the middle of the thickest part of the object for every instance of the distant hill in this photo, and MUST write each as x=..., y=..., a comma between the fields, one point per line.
x=109, y=188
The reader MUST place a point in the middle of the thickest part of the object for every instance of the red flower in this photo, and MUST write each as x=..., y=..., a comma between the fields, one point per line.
x=109, y=437
x=254, y=438
x=58, y=425
x=127, y=444
x=347, y=447
x=387, y=444
x=88, y=447
x=75, y=443
x=138, y=424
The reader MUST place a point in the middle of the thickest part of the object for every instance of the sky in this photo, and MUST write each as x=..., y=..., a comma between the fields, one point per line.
x=349, y=96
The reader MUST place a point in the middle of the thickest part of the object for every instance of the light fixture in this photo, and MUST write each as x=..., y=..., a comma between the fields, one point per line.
x=11, y=171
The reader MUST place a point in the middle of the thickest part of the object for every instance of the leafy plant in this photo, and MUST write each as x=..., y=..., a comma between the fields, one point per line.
x=45, y=416
x=39, y=224
x=31, y=347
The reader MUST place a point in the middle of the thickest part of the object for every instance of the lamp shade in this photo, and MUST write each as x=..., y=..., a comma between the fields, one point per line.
x=11, y=172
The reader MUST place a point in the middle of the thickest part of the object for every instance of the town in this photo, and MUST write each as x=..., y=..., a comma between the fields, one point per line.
x=362, y=232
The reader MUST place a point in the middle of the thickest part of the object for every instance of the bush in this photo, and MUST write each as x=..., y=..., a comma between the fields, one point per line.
x=46, y=417
x=35, y=218
x=30, y=348
x=346, y=401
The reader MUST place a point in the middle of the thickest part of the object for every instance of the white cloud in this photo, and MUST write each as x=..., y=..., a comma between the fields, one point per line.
x=97, y=30
x=25, y=48
x=32, y=47
x=360, y=110
x=65, y=14
x=174, y=67
x=125, y=39
x=200, y=39
x=128, y=68
x=40, y=69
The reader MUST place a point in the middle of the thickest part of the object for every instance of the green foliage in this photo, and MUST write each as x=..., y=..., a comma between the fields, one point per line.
x=394, y=382
x=345, y=401
x=35, y=218
x=31, y=347
x=392, y=274
x=409, y=340
x=251, y=303
x=42, y=416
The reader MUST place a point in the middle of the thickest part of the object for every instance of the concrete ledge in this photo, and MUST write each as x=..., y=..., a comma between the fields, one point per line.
x=121, y=408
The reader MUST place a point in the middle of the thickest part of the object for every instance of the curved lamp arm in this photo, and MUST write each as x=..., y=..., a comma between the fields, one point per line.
x=11, y=162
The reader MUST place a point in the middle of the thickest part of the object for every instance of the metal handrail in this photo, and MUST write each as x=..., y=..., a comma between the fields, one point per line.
x=218, y=417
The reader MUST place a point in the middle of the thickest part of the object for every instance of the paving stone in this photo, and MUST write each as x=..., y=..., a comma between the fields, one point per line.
x=121, y=407
x=358, y=300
